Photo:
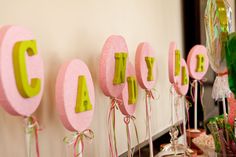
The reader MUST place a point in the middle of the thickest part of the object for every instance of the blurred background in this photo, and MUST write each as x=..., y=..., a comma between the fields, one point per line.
x=194, y=33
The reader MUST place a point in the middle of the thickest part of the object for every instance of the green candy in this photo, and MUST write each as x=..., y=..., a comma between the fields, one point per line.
x=230, y=132
x=220, y=121
x=231, y=61
x=212, y=126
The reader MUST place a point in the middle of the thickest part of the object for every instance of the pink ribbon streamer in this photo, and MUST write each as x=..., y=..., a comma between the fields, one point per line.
x=127, y=121
x=32, y=124
x=178, y=104
x=79, y=137
x=187, y=106
x=201, y=92
x=36, y=130
x=149, y=95
x=111, y=122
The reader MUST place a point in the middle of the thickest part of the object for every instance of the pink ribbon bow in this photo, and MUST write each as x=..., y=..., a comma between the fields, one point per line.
x=79, y=136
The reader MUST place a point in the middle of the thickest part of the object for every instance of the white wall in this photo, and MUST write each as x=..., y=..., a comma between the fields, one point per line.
x=77, y=29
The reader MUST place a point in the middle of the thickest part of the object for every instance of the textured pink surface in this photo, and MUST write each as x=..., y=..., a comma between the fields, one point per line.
x=232, y=109
x=192, y=62
x=66, y=93
x=144, y=50
x=112, y=45
x=171, y=63
x=125, y=107
x=182, y=89
x=10, y=98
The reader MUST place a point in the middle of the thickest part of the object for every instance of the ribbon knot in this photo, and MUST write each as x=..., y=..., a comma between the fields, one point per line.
x=222, y=74
x=128, y=118
x=79, y=136
x=199, y=81
x=172, y=89
x=32, y=126
x=149, y=94
x=115, y=102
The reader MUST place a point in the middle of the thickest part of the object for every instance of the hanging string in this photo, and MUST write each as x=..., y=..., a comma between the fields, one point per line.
x=111, y=123
x=172, y=98
x=177, y=104
x=127, y=121
x=32, y=127
x=149, y=96
x=188, y=104
x=201, y=87
x=76, y=137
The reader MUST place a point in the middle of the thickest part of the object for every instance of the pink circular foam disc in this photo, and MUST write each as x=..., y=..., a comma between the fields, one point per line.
x=144, y=50
x=192, y=62
x=181, y=88
x=171, y=63
x=66, y=95
x=114, y=44
x=0, y=39
x=10, y=97
x=125, y=107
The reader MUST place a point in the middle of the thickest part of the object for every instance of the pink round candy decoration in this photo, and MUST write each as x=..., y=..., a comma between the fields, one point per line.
x=125, y=107
x=144, y=50
x=112, y=45
x=171, y=63
x=66, y=95
x=10, y=97
x=192, y=62
x=179, y=87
